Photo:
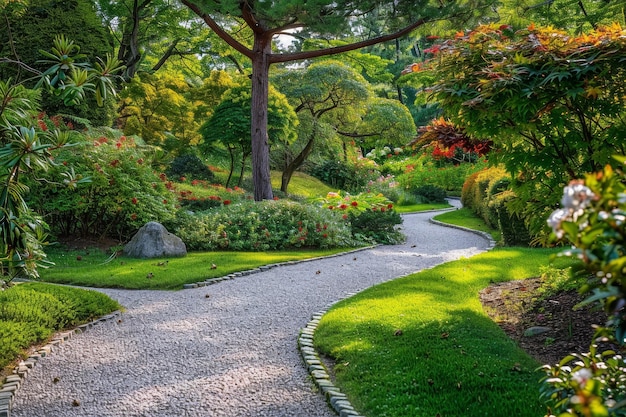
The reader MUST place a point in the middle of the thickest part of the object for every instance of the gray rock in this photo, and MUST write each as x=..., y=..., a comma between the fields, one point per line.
x=536, y=330
x=154, y=241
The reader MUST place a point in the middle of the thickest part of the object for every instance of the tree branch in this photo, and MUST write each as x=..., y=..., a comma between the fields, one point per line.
x=239, y=47
x=297, y=56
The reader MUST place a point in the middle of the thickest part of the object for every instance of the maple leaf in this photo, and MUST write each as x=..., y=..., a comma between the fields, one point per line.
x=592, y=92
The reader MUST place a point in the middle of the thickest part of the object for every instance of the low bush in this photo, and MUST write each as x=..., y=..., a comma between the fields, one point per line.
x=266, y=225
x=29, y=313
x=431, y=194
x=345, y=175
x=371, y=216
x=426, y=171
x=189, y=166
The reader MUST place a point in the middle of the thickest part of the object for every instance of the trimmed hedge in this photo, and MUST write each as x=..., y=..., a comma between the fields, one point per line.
x=487, y=193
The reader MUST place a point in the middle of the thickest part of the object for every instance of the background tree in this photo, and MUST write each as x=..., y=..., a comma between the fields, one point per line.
x=156, y=107
x=324, y=96
x=266, y=20
x=230, y=125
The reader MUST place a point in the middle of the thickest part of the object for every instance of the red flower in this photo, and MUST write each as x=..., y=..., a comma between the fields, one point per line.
x=275, y=198
x=325, y=235
x=390, y=206
x=345, y=217
x=163, y=176
x=226, y=202
x=331, y=207
x=42, y=125
x=140, y=161
x=118, y=145
x=382, y=209
x=134, y=200
x=343, y=207
x=354, y=204
x=183, y=179
x=115, y=163
x=164, y=201
x=133, y=216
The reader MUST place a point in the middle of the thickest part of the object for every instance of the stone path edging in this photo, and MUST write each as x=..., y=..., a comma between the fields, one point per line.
x=13, y=382
x=211, y=281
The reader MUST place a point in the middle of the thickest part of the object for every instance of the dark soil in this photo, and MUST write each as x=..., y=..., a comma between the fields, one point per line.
x=515, y=307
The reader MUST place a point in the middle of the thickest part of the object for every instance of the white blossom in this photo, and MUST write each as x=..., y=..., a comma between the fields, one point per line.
x=577, y=196
x=582, y=376
x=556, y=218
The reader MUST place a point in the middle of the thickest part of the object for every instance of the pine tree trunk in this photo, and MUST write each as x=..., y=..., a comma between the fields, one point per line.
x=260, y=91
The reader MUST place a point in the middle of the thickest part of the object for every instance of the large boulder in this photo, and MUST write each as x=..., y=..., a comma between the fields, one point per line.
x=154, y=241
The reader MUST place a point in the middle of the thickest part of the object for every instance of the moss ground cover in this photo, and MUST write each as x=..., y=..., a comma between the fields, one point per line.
x=422, y=345
x=31, y=312
x=94, y=268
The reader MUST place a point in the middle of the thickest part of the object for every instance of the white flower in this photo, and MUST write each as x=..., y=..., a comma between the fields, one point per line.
x=556, y=218
x=577, y=196
x=582, y=376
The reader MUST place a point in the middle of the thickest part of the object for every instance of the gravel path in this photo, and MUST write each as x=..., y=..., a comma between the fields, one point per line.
x=224, y=350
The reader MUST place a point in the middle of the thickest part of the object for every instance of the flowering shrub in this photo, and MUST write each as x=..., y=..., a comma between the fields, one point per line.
x=265, y=225
x=371, y=216
x=593, y=220
x=199, y=195
x=122, y=194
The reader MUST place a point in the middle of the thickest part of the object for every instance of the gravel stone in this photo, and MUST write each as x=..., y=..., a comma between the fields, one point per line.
x=235, y=355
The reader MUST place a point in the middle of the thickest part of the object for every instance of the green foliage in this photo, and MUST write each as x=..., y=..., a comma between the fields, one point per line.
x=487, y=194
x=424, y=170
x=422, y=344
x=467, y=218
x=230, y=125
x=23, y=37
x=371, y=216
x=267, y=225
x=123, y=192
x=199, y=195
x=189, y=166
x=346, y=176
x=29, y=313
x=158, y=108
x=560, y=101
x=592, y=219
x=431, y=194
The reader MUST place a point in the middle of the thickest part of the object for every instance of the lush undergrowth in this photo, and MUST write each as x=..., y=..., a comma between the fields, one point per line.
x=422, y=345
x=31, y=312
x=93, y=268
x=467, y=218
x=302, y=185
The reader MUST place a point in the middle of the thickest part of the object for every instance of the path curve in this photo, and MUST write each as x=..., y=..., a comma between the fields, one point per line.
x=233, y=353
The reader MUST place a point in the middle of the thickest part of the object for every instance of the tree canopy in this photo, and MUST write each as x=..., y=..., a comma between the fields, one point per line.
x=265, y=20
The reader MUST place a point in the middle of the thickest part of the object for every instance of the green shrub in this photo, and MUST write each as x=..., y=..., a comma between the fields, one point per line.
x=266, y=225
x=426, y=171
x=347, y=176
x=512, y=227
x=122, y=194
x=429, y=194
x=190, y=167
x=376, y=226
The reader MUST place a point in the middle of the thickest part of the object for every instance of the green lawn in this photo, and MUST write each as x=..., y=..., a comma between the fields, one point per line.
x=466, y=218
x=420, y=207
x=92, y=268
x=422, y=345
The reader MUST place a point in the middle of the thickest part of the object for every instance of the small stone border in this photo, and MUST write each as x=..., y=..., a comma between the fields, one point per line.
x=211, y=281
x=13, y=382
x=335, y=398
